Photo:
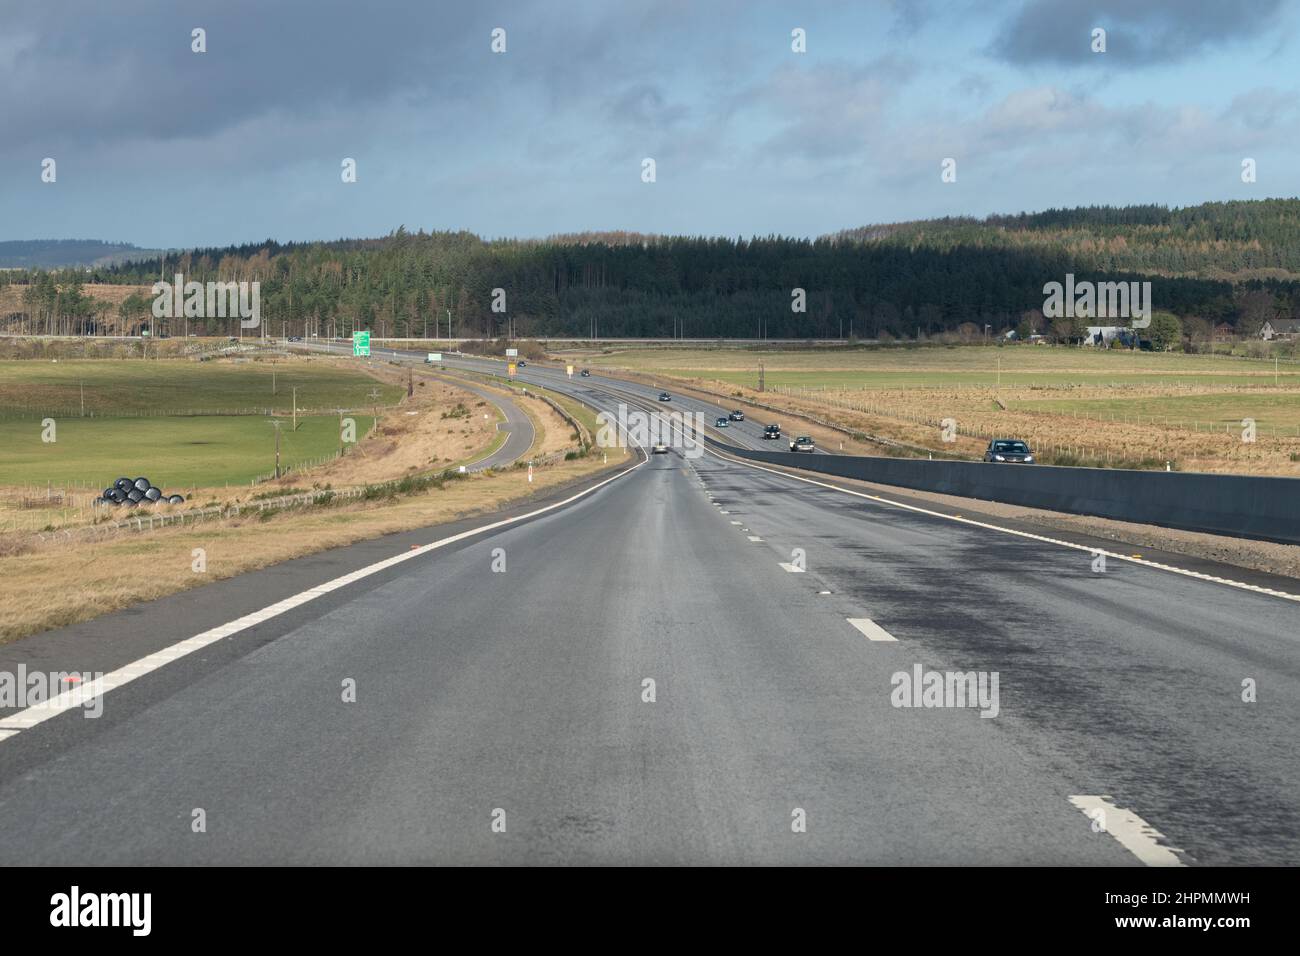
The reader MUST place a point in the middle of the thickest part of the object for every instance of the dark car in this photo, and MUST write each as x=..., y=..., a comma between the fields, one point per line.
x=737, y=416
x=585, y=373
x=1009, y=449
x=720, y=423
x=520, y=364
x=772, y=431
x=665, y=397
x=802, y=443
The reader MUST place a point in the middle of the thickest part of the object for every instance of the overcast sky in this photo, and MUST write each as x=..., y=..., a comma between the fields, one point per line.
x=161, y=146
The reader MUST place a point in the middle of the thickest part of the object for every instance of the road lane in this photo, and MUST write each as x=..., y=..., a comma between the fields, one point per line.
x=1132, y=677
x=522, y=690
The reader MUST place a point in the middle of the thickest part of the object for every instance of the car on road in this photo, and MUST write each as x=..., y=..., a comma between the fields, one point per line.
x=720, y=423
x=659, y=448
x=521, y=363
x=737, y=416
x=1009, y=450
x=772, y=431
x=665, y=397
x=802, y=443
x=585, y=373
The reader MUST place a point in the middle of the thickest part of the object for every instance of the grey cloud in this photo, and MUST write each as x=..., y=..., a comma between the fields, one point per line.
x=1138, y=32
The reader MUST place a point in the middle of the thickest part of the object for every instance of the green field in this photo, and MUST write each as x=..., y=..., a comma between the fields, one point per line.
x=126, y=431
x=174, y=453
x=138, y=387
x=939, y=366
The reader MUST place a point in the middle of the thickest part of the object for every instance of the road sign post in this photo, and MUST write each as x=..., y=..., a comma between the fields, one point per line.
x=361, y=344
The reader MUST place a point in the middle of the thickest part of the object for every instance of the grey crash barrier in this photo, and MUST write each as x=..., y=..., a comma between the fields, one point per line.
x=1244, y=506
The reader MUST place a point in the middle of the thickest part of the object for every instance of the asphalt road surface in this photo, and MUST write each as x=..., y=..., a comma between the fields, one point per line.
x=519, y=697
x=517, y=426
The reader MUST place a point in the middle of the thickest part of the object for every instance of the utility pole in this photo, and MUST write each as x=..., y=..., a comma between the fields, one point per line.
x=276, y=422
x=410, y=386
x=760, y=377
x=295, y=408
x=374, y=397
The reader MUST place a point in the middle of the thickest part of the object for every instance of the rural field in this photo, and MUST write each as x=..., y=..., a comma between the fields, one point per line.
x=400, y=474
x=1075, y=405
x=944, y=366
x=185, y=424
x=133, y=388
x=72, y=427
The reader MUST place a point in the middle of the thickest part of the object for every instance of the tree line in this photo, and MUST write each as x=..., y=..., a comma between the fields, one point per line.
x=1235, y=263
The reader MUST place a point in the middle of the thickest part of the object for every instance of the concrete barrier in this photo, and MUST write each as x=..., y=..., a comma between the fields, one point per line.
x=1244, y=506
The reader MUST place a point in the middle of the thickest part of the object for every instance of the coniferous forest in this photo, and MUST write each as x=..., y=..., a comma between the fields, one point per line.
x=1233, y=262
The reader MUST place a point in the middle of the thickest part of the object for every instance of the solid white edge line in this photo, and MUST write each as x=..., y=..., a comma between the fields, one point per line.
x=1240, y=585
x=1133, y=833
x=84, y=693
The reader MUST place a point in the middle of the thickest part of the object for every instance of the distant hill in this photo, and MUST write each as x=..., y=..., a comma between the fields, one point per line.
x=1227, y=262
x=68, y=253
x=1248, y=239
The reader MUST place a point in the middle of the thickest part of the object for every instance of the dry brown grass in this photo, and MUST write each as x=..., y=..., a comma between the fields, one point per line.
x=913, y=417
x=57, y=584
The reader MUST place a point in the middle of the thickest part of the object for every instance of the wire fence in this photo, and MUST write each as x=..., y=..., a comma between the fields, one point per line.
x=12, y=411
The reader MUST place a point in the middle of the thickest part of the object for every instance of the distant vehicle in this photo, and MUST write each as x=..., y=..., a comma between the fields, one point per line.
x=585, y=373
x=1009, y=449
x=772, y=431
x=665, y=397
x=802, y=443
x=660, y=448
x=737, y=416
x=720, y=423
x=521, y=363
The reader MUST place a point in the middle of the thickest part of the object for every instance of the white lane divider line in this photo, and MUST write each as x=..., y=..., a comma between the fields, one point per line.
x=754, y=537
x=792, y=568
x=1131, y=559
x=872, y=630
x=78, y=696
x=736, y=522
x=1133, y=833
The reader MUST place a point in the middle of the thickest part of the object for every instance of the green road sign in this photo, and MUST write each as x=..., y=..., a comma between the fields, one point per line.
x=361, y=343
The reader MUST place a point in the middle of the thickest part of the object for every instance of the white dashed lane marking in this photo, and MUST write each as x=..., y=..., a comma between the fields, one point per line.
x=1133, y=833
x=872, y=630
x=1131, y=558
